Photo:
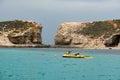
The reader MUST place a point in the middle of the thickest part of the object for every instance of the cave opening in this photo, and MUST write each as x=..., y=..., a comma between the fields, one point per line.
x=115, y=40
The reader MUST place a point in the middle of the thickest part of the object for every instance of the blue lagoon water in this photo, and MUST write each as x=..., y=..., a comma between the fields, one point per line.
x=48, y=64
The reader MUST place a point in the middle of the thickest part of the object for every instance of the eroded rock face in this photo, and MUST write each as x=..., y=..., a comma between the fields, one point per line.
x=113, y=41
x=67, y=33
x=21, y=32
x=89, y=34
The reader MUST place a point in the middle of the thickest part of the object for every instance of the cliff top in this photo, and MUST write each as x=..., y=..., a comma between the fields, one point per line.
x=16, y=24
x=94, y=29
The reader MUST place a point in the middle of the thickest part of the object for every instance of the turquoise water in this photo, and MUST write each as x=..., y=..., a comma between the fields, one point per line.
x=48, y=64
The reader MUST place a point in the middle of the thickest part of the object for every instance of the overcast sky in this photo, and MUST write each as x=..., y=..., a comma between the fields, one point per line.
x=51, y=13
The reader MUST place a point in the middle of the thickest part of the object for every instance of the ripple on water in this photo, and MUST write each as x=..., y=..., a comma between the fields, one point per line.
x=117, y=68
x=74, y=64
x=83, y=76
x=105, y=75
x=10, y=75
x=64, y=78
x=41, y=73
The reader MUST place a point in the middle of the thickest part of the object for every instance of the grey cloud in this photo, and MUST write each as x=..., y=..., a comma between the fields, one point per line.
x=82, y=0
x=1, y=1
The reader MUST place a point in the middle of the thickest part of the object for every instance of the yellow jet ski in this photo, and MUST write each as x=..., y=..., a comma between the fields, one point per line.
x=77, y=55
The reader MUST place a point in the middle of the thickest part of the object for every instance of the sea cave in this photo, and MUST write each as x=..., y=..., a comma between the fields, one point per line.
x=113, y=41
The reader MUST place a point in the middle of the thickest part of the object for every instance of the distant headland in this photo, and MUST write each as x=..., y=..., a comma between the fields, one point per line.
x=97, y=34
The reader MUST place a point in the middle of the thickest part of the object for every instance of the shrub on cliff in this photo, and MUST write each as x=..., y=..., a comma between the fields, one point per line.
x=98, y=29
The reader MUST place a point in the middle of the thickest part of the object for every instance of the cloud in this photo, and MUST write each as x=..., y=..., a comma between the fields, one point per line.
x=76, y=4
x=60, y=5
x=65, y=5
x=86, y=0
x=72, y=0
x=1, y=1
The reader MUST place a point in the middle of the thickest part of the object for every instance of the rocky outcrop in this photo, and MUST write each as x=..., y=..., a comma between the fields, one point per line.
x=89, y=34
x=20, y=32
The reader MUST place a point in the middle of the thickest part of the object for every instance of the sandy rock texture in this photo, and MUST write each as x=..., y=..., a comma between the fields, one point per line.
x=20, y=32
x=89, y=34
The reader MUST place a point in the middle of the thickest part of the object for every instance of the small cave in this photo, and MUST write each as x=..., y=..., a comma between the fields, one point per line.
x=113, y=41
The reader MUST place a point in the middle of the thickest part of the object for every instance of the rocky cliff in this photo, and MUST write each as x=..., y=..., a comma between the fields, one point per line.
x=89, y=34
x=20, y=32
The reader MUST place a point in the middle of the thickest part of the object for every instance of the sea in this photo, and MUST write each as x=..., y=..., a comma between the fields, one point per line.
x=48, y=64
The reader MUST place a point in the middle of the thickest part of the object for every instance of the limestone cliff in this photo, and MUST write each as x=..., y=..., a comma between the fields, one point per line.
x=89, y=34
x=20, y=32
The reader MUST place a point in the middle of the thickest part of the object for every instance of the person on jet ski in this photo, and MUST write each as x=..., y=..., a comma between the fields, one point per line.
x=68, y=52
x=77, y=54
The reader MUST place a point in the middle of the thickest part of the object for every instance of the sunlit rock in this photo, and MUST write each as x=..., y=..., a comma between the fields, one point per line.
x=89, y=34
x=20, y=32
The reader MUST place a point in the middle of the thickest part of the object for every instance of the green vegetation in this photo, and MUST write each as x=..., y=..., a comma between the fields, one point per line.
x=97, y=29
x=17, y=24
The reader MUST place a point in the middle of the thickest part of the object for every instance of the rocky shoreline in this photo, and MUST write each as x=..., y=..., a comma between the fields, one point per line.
x=38, y=46
x=57, y=46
